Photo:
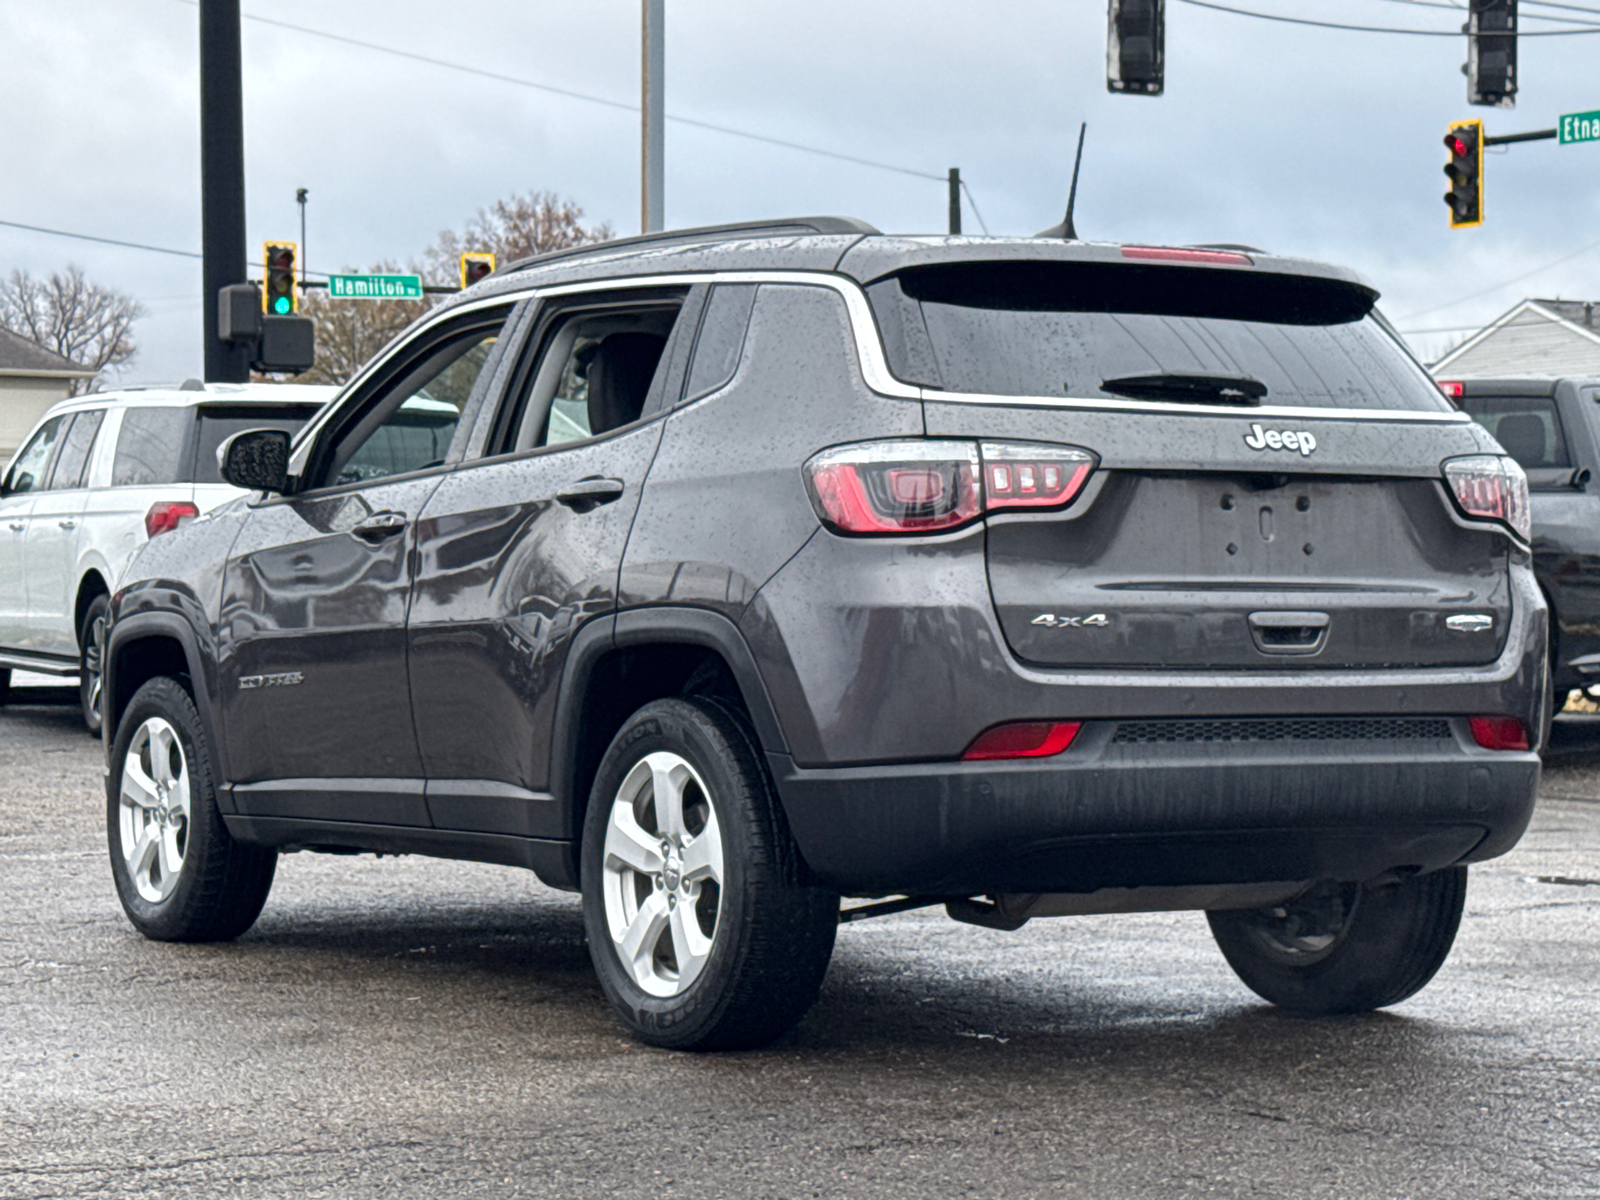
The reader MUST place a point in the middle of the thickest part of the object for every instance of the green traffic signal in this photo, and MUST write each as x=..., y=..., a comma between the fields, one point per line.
x=282, y=305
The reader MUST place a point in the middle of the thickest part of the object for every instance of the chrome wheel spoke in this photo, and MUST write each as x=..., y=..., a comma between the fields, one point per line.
x=161, y=741
x=639, y=944
x=702, y=857
x=690, y=946
x=668, y=775
x=137, y=787
x=144, y=851
x=628, y=845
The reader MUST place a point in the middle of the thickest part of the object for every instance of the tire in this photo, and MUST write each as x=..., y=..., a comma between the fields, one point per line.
x=733, y=944
x=1346, y=948
x=91, y=650
x=183, y=878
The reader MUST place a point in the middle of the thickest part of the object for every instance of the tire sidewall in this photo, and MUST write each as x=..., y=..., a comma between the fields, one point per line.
x=100, y=606
x=167, y=919
x=684, y=728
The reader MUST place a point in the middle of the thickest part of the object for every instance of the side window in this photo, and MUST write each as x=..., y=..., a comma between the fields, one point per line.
x=1527, y=426
x=27, y=473
x=596, y=371
x=76, y=445
x=409, y=423
x=721, y=340
x=150, y=446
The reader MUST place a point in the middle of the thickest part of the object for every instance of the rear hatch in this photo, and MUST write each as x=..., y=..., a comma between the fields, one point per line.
x=1268, y=494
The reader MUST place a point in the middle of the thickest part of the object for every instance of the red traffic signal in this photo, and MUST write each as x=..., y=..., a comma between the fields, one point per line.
x=278, y=295
x=476, y=266
x=1465, y=172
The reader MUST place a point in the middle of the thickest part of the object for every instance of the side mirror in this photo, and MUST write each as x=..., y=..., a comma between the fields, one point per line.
x=256, y=460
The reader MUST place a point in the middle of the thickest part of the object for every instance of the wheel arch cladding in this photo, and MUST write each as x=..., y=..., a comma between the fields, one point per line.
x=650, y=654
x=145, y=646
x=90, y=586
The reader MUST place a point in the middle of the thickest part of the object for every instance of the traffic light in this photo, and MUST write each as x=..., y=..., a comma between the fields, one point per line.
x=1492, y=53
x=1135, y=46
x=278, y=296
x=1465, y=170
x=476, y=266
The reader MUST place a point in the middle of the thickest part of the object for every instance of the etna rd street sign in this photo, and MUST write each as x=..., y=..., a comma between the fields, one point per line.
x=375, y=287
x=1579, y=127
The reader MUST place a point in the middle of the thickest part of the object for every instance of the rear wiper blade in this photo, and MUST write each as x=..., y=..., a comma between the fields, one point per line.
x=1189, y=389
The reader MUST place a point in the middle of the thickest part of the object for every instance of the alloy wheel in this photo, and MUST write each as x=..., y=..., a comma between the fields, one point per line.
x=154, y=813
x=663, y=874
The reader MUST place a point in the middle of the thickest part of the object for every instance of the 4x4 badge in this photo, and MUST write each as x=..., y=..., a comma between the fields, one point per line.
x=1280, y=439
x=1052, y=621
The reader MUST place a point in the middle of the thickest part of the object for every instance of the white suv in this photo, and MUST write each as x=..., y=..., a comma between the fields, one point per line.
x=97, y=478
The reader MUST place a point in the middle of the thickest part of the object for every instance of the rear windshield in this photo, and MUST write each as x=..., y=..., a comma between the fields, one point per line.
x=217, y=425
x=1527, y=426
x=1061, y=329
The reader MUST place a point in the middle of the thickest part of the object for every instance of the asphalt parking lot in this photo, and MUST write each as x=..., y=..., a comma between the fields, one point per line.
x=407, y=1028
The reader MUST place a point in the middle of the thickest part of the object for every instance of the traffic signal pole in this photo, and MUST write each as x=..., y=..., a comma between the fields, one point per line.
x=221, y=182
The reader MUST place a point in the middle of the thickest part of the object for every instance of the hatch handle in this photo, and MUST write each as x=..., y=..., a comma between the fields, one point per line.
x=1289, y=632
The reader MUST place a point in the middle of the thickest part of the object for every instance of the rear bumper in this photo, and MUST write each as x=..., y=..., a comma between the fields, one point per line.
x=1110, y=814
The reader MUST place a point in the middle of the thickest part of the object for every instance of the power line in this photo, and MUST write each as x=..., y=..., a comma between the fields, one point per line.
x=587, y=97
x=1531, y=16
x=89, y=237
x=1450, y=33
x=1556, y=262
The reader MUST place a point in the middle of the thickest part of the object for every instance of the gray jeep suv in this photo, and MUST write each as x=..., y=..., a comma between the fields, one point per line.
x=721, y=574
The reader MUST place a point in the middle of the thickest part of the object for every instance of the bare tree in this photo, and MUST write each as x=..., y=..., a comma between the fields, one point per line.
x=76, y=318
x=349, y=332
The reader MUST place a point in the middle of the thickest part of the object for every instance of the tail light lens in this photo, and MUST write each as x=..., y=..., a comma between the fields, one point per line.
x=1452, y=388
x=1491, y=487
x=933, y=485
x=166, y=515
x=1499, y=733
x=1022, y=739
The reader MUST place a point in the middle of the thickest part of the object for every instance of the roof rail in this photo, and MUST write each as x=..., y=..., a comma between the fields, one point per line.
x=706, y=233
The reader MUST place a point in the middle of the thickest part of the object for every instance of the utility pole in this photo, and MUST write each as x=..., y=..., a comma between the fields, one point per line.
x=221, y=182
x=654, y=134
x=955, y=200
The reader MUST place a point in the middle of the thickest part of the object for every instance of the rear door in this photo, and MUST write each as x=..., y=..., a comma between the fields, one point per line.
x=521, y=547
x=1304, y=528
x=312, y=656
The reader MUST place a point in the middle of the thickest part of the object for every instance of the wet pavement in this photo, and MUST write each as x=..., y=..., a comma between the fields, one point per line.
x=406, y=1028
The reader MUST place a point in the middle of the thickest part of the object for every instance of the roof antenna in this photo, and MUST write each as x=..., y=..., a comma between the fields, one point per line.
x=1067, y=230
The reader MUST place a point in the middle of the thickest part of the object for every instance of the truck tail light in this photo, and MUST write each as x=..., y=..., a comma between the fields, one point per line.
x=1491, y=487
x=166, y=515
x=930, y=486
x=1453, y=388
x=1499, y=733
x=1022, y=739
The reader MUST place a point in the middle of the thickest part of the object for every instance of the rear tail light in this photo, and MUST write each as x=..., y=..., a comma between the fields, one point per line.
x=1499, y=733
x=1022, y=739
x=930, y=486
x=166, y=515
x=1453, y=388
x=1491, y=487
x=1182, y=255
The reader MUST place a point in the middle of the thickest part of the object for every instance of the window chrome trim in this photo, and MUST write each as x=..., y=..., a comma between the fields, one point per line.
x=869, y=352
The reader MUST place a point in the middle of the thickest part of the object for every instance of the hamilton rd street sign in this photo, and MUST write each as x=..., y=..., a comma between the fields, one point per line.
x=375, y=287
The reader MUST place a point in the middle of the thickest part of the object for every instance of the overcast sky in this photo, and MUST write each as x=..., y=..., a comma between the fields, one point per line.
x=1301, y=140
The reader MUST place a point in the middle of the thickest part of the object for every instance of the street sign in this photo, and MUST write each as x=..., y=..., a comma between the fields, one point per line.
x=1578, y=127
x=375, y=287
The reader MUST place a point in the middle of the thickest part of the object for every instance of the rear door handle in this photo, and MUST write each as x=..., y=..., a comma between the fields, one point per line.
x=18, y=526
x=67, y=523
x=379, y=525
x=587, y=493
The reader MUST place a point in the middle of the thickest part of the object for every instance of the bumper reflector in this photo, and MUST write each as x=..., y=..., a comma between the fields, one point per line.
x=1499, y=733
x=1023, y=739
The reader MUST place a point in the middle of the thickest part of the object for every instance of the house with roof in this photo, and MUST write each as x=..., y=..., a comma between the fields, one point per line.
x=1537, y=337
x=31, y=380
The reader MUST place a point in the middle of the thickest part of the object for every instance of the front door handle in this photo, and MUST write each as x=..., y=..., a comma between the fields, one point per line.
x=18, y=526
x=379, y=525
x=587, y=493
x=67, y=523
